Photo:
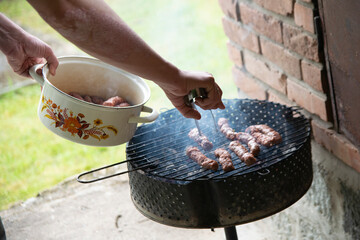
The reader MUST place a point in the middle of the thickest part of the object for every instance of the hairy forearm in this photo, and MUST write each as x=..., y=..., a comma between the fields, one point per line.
x=95, y=28
x=10, y=34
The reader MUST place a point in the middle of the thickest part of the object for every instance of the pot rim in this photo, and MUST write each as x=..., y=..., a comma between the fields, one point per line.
x=70, y=58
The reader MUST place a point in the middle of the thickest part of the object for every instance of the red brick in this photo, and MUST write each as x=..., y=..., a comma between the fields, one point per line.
x=329, y=139
x=230, y=8
x=262, y=23
x=281, y=57
x=319, y=105
x=275, y=96
x=300, y=42
x=283, y=7
x=236, y=33
x=315, y=103
x=265, y=72
x=321, y=133
x=304, y=17
x=313, y=75
x=336, y=143
x=248, y=84
x=355, y=157
x=234, y=54
x=299, y=94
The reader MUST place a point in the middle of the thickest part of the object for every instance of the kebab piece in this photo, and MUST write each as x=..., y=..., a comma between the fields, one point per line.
x=195, y=154
x=224, y=159
x=264, y=135
x=246, y=138
x=202, y=140
x=242, y=153
x=229, y=133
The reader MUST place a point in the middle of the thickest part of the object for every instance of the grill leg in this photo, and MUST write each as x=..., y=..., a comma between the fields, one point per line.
x=230, y=233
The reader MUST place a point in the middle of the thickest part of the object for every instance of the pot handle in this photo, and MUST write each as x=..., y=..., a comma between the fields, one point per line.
x=150, y=118
x=34, y=75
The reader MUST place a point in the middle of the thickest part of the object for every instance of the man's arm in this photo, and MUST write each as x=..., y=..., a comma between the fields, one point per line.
x=96, y=29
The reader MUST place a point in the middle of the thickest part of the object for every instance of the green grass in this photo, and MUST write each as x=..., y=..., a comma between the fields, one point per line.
x=31, y=157
x=187, y=33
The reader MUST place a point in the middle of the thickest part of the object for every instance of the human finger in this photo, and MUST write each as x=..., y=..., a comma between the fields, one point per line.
x=213, y=99
x=23, y=70
x=188, y=112
x=51, y=59
x=205, y=103
x=180, y=105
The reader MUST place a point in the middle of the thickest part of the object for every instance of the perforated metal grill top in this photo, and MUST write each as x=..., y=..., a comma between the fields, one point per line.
x=158, y=148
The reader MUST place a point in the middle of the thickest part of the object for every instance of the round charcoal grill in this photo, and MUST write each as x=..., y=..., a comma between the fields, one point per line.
x=168, y=187
x=172, y=189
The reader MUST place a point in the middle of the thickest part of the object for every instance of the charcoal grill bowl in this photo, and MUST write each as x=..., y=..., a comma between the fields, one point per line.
x=228, y=201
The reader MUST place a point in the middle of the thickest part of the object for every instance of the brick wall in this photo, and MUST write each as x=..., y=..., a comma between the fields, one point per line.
x=276, y=55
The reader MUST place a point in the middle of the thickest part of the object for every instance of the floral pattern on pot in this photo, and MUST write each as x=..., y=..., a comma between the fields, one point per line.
x=67, y=121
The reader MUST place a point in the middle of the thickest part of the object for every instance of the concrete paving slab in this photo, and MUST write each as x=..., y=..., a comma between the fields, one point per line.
x=96, y=211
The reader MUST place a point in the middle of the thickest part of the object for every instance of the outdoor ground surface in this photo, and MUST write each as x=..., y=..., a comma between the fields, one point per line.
x=98, y=211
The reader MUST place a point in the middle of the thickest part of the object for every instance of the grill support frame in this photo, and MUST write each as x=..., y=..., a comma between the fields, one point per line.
x=230, y=233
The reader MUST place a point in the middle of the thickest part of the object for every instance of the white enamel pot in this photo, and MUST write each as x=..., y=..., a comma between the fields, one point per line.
x=89, y=123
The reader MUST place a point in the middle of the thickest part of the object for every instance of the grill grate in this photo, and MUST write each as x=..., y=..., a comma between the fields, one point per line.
x=158, y=149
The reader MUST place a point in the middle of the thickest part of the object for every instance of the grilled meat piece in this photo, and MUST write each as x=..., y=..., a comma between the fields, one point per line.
x=246, y=138
x=242, y=153
x=264, y=135
x=224, y=159
x=229, y=133
x=195, y=154
x=202, y=140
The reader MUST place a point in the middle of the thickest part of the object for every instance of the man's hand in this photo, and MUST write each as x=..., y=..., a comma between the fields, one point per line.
x=30, y=51
x=23, y=50
x=177, y=89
